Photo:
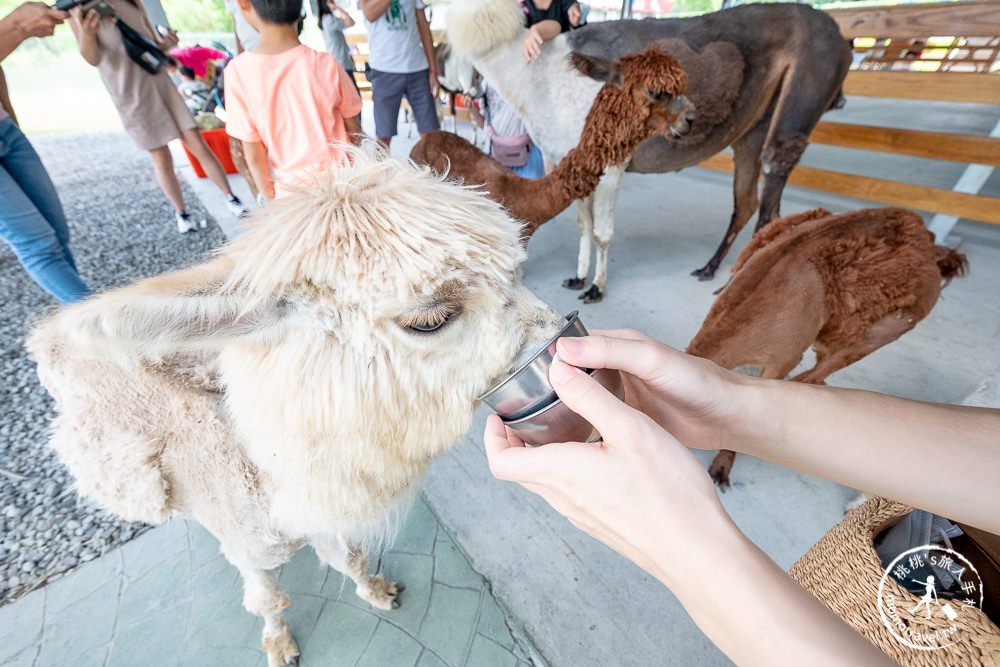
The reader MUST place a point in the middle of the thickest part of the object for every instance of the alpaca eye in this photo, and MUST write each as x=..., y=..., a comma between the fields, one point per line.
x=658, y=95
x=427, y=322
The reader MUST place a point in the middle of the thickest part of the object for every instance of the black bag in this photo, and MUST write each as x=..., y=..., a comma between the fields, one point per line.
x=139, y=48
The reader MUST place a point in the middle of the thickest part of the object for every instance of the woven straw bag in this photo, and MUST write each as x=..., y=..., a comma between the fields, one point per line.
x=843, y=571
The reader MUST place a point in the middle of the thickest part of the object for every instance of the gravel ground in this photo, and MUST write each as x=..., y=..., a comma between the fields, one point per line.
x=122, y=228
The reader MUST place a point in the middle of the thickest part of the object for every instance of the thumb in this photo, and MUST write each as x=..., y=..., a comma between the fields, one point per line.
x=585, y=396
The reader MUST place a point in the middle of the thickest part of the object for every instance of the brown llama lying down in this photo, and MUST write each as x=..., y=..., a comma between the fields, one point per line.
x=641, y=96
x=293, y=389
x=844, y=284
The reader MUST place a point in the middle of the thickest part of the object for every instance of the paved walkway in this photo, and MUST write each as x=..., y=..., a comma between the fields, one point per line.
x=169, y=598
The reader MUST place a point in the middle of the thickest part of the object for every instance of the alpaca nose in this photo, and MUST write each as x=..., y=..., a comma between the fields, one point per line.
x=685, y=116
x=681, y=126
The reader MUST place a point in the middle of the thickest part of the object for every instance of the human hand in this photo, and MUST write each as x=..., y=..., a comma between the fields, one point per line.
x=532, y=45
x=574, y=14
x=701, y=404
x=84, y=24
x=435, y=86
x=629, y=491
x=36, y=19
x=167, y=37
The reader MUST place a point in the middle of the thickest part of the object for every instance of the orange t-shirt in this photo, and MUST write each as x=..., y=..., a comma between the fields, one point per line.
x=295, y=104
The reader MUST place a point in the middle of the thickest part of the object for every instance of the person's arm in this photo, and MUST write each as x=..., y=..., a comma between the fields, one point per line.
x=341, y=14
x=85, y=30
x=646, y=496
x=31, y=19
x=887, y=446
x=373, y=9
x=474, y=114
x=354, y=131
x=538, y=33
x=256, y=155
x=427, y=40
x=941, y=458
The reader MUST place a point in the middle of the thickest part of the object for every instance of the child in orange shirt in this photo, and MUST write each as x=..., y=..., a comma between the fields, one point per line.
x=286, y=102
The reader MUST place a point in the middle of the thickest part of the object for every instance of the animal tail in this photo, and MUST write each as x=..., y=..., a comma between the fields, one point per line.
x=951, y=263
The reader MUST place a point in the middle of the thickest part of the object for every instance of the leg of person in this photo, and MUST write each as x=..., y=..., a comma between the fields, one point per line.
x=163, y=166
x=32, y=237
x=24, y=165
x=387, y=93
x=418, y=94
x=213, y=168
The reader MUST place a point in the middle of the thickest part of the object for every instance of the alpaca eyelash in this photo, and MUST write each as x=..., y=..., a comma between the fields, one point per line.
x=430, y=320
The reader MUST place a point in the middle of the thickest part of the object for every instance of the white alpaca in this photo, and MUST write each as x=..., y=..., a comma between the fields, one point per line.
x=292, y=390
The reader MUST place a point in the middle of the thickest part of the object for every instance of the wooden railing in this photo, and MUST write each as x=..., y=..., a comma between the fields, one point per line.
x=890, y=69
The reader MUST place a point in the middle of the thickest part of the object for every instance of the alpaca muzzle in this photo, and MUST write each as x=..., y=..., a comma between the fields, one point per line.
x=685, y=116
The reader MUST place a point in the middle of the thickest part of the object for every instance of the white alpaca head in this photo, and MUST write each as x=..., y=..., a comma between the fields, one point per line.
x=476, y=27
x=353, y=325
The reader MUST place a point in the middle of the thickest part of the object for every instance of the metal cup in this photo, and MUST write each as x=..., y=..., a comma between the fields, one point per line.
x=527, y=390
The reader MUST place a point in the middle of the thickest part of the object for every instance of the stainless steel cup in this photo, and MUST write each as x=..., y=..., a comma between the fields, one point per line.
x=527, y=390
x=557, y=423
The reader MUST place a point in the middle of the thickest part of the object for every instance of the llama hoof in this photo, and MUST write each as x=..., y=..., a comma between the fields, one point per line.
x=282, y=651
x=381, y=594
x=720, y=475
x=704, y=273
x=592, y=295
x=573, y=283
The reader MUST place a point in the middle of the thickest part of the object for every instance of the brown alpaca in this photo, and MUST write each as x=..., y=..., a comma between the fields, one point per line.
x=641, y=97
x=845, y=284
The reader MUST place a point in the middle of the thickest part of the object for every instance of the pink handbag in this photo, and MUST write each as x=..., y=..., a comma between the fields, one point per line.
x=510, y=151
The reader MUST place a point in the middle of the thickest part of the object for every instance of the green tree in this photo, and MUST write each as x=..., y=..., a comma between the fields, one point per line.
x=198, y=15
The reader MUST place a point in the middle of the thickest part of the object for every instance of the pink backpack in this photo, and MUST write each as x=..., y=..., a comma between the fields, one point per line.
x=510, y=151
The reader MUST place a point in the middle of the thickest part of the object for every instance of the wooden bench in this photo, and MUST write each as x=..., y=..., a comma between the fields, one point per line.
x=916, y=52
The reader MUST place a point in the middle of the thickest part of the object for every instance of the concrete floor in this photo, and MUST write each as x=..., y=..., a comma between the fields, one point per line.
x=582, y=604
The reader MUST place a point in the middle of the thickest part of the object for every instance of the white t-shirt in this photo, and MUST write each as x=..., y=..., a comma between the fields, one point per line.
x=394, y=40
x=249, y=38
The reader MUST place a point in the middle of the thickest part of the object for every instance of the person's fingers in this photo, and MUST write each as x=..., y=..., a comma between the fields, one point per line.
x=630, y=334
x=641, y=358
x=506, y=458
x=585, y=396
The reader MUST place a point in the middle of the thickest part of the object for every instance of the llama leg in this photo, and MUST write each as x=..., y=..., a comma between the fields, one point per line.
x=719, y=469
x=746, y=171
x=780, y=157
x=830, y=358
x=352, y=562
x=585, y=220
x=263, y=596
x=604, y=199
x=803, y=98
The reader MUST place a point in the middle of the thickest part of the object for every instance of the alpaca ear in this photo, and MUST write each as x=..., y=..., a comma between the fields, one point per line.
x=596, y=68
x=174, y=312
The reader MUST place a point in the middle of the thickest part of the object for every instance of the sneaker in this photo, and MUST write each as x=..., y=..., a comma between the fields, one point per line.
x=185, y=223
x=235, y=206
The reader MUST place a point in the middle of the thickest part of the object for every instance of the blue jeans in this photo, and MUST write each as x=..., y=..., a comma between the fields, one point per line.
x=32, y=220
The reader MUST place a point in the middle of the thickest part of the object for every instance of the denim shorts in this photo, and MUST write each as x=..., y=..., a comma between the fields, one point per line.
x=389, y=88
